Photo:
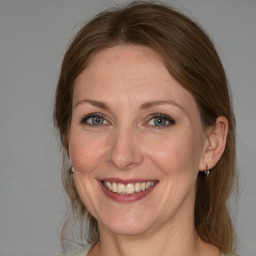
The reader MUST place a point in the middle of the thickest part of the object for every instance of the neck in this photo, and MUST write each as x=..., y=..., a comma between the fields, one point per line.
x=168, y=242
x=176, y=236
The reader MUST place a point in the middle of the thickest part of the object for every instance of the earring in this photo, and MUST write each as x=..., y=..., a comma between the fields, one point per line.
x=207, y=171
x=72, y=170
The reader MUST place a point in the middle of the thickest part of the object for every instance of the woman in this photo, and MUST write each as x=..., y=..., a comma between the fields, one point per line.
x=145, y=119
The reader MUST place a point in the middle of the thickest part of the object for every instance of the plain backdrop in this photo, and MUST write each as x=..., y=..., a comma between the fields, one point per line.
x=33, y=37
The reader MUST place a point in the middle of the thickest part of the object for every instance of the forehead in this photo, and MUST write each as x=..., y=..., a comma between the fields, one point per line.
x=129, y=74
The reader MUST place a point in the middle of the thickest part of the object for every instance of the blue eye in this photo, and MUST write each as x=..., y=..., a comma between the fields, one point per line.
x=160, y=120
x=94, y=119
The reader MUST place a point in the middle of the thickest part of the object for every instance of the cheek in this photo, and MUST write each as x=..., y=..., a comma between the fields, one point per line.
x=176, y=154
x=84, y=151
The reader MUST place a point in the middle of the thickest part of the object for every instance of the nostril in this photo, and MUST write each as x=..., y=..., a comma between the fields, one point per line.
x=124, y=153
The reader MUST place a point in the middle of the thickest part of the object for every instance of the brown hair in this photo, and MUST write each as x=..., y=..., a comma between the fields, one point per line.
x=190, y=57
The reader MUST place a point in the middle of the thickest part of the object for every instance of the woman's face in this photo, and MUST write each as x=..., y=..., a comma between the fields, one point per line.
x=136, y=142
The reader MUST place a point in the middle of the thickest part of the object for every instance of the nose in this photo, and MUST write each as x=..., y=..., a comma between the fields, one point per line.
x=125, y=150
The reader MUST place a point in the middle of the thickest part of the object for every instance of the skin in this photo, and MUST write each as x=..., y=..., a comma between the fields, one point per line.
x=121, y=83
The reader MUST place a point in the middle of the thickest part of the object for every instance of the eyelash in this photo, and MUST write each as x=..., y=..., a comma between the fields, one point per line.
x=170, y=120
x=85, y=119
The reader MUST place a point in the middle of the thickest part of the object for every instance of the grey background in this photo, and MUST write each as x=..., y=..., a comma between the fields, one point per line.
x=33, y=37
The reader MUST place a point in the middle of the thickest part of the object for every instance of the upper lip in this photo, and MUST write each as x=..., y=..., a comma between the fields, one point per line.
x=127, y=181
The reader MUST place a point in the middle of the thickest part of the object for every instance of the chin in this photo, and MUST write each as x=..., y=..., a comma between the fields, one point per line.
x=128, y=227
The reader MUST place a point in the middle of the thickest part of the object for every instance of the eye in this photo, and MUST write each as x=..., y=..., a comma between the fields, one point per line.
x=94, y=119
x=160, y=121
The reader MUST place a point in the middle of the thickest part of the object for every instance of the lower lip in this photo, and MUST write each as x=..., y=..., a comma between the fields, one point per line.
x=126, y=198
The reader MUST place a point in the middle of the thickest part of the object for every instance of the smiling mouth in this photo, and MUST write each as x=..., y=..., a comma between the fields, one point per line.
x=128, y=189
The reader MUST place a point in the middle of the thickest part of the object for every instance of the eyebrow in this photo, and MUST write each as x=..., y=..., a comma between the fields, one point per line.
x=144, y=106
x=160, y=102
x=95, y=103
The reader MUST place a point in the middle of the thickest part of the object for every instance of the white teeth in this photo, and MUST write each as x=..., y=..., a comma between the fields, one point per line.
x=130, y=188
x=108, y=185
x=120, y=188
x=114, y=187
x=137, y=187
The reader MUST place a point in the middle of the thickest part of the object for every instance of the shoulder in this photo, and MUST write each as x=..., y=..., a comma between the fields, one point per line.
x=82, y=252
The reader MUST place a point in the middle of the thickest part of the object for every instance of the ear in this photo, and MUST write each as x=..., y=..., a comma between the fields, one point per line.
x=215, y=144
